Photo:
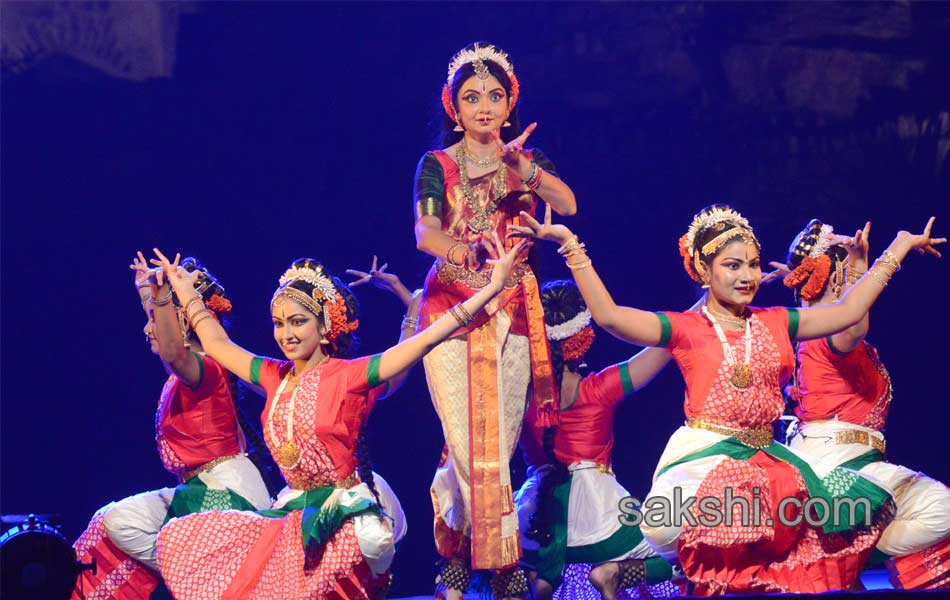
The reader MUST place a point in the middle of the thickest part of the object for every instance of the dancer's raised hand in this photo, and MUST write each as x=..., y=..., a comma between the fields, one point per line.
x=554, y=232
x=382, y=280
x=181, y=280
x=921, y=242
x=512, y=153
x=502, y=261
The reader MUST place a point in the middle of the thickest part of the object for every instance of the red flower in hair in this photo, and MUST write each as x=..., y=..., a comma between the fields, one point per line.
x=576, y=346
x=810, y=276
x=800, y=273
x=339, y=324
x=218, y=304
x=688, y=260
x=447, y=102
x=818, y=279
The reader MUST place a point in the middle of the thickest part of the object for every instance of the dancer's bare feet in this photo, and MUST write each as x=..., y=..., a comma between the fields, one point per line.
x=542, y=588
x=605, y=578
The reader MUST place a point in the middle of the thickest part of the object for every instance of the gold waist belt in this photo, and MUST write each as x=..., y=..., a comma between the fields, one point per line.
x=207, y=466
x=343, y=484
x=856, y=436
x=754, y=438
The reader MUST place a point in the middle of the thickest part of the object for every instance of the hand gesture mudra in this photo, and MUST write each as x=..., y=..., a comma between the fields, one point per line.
x=389, y=282
x=181, y=280
x=921, y=242
x=781, y=270
x=554, y=232
x=502, y=261
x=857, y=246
x=512, y=153
x=146, y=276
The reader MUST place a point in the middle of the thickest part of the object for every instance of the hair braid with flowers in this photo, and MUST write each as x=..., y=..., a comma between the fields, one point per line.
x=570, y=335
x=811, y=258
x=711, y=229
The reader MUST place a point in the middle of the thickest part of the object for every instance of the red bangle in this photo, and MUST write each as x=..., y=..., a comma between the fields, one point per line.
x=534, y=184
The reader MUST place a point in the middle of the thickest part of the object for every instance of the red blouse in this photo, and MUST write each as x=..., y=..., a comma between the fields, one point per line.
x=194, y=426
x=698, y=352
x=853, y=387
x=333, y=399
x=586, y=430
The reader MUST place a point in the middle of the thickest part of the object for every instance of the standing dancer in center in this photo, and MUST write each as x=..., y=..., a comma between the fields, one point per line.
x=477, y=184
x=735, y=359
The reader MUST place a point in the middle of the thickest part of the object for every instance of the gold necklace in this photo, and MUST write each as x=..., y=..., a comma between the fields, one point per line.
x=729, y=318
x=480, y=220
x=482, y=163
x=288, y=455
x=741, y=377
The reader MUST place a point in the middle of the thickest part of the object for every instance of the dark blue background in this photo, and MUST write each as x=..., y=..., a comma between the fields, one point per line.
x=291, y=131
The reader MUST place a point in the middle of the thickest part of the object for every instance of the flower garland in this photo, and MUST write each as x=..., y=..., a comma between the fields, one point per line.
x=218, y=304
x=688, y=260
x=576, y=346
x=564, y=330
x=338, y=324
x=813, y=273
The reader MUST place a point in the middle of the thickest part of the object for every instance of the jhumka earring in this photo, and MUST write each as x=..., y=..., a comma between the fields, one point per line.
x=506, y=124
x=458, y=122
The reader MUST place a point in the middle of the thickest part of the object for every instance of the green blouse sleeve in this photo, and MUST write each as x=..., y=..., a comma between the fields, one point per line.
x=430, y=187
x=792, y=323
x=666, y=329
x=538, y=158
x=256, y=363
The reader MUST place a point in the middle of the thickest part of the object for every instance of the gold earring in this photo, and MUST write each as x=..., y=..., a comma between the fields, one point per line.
x=506, y=124
x=324, y=341
x=705, y=286
x=458, y=122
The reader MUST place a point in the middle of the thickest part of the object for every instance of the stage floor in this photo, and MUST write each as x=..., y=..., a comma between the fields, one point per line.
x=875, y=581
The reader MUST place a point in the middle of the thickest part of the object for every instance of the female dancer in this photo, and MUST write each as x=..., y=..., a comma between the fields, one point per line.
x=199, y=440
x=325, y=536
x=569, y=506
x=844, y=393
x=475, y=185
x=735, y=359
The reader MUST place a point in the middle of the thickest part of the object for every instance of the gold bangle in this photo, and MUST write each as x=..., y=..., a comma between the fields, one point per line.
x=570, y=245
x=448, y=255
x=192, y=301
x=580, y=266
x=192, y=318
x=468, y=316
x=454, y=312
x=162, y=301
x=410, y=322
x=888, y=255
x=876, y=274
x=194, y=325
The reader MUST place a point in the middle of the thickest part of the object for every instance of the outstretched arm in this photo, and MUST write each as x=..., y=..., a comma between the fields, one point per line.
x=403, y=355
x=171, y=344
x=629, y=324
x=214, y=339
x=820, y=321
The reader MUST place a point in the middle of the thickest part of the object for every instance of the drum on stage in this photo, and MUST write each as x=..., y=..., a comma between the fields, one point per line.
x=36, y=561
